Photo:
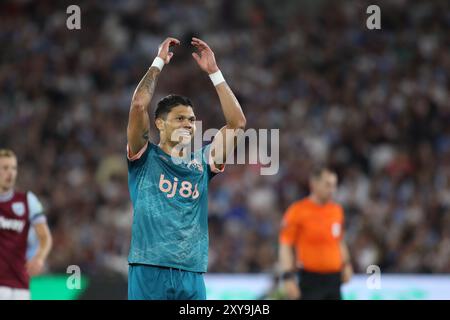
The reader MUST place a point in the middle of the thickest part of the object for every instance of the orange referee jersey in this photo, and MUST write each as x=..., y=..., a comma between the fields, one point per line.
x=316, y=232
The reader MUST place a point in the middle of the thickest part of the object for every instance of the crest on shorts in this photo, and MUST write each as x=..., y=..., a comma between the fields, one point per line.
x=18, y=208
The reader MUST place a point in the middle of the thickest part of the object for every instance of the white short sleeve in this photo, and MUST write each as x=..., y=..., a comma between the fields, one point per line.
x=36, y=209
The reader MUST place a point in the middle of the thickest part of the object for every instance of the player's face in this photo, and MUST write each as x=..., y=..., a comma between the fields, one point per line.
x=179, y=126
x=325, y=186
x=8, y=173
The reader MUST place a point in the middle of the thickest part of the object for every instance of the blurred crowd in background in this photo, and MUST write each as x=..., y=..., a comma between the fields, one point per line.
x=373, y=104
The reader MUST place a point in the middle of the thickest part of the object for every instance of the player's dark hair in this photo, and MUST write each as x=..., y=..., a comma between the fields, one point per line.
x=168, y=103
x=317, y=171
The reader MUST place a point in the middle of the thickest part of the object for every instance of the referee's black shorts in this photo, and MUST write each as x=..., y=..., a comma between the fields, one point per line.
x=320, y=286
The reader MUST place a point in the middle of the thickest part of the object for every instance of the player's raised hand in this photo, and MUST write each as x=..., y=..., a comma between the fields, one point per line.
x=163, y=49
x=205, y=57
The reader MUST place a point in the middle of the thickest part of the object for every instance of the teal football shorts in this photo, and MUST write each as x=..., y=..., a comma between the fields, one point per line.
x=148, y=282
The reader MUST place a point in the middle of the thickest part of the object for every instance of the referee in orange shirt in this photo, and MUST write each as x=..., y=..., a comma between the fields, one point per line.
x=314, y=258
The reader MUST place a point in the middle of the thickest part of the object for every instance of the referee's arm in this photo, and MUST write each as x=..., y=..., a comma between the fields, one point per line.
x=288, y=271
x=347, y=269
x=286, y=254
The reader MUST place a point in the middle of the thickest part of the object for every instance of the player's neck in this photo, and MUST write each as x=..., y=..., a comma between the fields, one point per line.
x=6, y=194
x=169, y=149
x=314, y=198
x=5, y=190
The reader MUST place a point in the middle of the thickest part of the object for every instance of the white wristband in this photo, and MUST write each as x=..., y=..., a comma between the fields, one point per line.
x=217, y=78
x=158, y=62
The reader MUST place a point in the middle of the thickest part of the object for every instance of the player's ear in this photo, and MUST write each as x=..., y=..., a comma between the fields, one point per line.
x=159, y=124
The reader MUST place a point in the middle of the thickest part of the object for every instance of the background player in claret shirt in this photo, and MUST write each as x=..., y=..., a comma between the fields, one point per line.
x=314, y=228
x=18, y=212
x=169, y=245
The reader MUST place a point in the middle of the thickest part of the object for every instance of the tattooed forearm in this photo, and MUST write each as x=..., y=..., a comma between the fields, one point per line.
x=146, y=87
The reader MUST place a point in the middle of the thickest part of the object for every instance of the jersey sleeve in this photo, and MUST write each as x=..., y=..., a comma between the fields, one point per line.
x=213, y=170
x=289, y=226
x=138, y=155
x=135, y=161
x=36, y=210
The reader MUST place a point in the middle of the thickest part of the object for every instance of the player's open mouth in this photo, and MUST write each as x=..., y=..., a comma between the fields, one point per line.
x=184, y=132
